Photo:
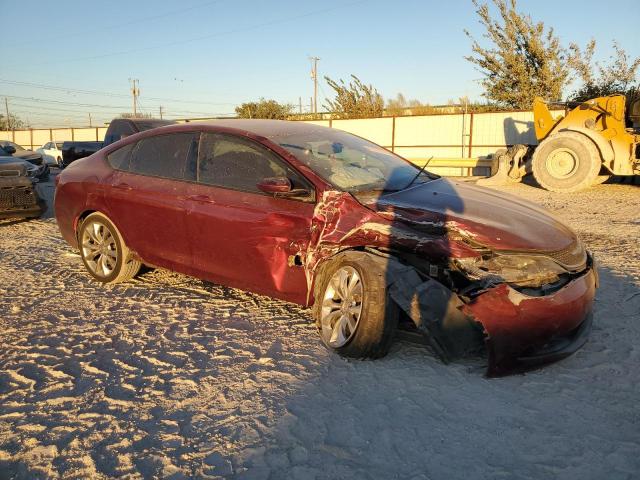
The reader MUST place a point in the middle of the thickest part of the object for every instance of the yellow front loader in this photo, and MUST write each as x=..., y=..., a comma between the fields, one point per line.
x=590, y=142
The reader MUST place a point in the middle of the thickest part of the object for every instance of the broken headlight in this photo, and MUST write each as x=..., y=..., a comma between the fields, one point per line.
x=522, y=270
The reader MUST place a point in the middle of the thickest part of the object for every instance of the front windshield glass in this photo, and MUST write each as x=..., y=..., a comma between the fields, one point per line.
x=351, y=163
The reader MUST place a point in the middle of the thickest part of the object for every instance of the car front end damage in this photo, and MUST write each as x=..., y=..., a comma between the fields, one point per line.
x=521, y=308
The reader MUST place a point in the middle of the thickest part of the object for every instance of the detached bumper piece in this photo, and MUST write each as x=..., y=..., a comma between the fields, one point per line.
x=18, y=198
x=518, y=331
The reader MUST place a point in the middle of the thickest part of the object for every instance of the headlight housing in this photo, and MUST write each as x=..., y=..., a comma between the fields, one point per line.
x=523, y=270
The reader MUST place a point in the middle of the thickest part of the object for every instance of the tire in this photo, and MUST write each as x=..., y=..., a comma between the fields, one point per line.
x=378, y=314
x=59, y=162
x=566, y=162
x=103, y=251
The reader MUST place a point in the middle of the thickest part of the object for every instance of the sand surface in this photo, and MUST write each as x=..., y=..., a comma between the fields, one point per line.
x=169, y=377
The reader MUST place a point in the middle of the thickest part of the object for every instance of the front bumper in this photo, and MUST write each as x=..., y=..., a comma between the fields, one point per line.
x=522, y=331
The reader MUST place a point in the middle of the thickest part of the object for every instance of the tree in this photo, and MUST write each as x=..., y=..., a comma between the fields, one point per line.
x=618, y=76
x=525, y=59
x=13, y=123
x=264, y=109
x=400, y=106
x=355, y=100
x=137, y=115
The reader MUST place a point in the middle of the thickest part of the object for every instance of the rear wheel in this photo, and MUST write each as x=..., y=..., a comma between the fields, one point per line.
x=103, y=251
x=566, y=162
x=353, y=311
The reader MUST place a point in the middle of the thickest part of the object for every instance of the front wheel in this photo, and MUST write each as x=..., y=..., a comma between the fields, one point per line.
x=566, y=162
x=103, y=251
x=353, y=311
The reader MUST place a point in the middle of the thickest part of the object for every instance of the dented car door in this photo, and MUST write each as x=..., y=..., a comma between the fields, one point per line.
x=242, y=236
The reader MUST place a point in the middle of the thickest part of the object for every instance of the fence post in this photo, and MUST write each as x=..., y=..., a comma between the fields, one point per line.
x=73, y=139
x=393, y=133
x=470, y=135
x=31, y=138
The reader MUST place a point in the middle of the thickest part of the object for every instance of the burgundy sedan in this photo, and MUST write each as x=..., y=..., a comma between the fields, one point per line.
x=323, y=218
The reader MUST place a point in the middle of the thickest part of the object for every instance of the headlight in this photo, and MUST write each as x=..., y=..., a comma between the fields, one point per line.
x=518, y=269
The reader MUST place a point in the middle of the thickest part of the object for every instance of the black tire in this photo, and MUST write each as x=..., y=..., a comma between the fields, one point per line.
x=566, y=162
x=124, y=268
x=379, y=315
x=59, y=162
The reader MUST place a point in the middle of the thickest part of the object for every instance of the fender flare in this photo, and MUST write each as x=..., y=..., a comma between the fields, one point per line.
x=604, y=147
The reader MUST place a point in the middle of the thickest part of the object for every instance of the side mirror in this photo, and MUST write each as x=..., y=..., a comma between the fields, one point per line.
x=275, y=185
x=10, y=149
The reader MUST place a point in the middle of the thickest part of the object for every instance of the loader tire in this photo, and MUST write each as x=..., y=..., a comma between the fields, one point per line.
x=566, y=162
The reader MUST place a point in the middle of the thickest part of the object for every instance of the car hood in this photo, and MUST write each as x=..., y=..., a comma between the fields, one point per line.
x=27, y=155
x=487, y=217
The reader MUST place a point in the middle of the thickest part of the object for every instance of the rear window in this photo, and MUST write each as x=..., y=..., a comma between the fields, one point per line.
x=166, y=155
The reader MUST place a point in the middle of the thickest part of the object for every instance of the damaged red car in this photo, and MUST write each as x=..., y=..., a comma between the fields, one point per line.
x=323, y=218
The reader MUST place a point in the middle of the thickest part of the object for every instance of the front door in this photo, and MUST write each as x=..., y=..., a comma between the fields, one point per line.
x=240, y=235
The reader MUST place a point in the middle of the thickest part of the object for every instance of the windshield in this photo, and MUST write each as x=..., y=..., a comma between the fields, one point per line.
x=14, y=145
x=351, y=163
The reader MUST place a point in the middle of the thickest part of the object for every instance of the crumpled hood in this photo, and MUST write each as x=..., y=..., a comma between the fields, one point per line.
x=493, y=219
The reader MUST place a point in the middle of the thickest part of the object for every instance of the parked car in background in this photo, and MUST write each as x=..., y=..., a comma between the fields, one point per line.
x=11, y=149
x=320, y=217
x=18, y=196
x=118, y=128
x=52, y=153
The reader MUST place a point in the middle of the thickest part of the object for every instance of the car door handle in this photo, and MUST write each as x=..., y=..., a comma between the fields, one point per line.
x=201, y=198
x=122, y=186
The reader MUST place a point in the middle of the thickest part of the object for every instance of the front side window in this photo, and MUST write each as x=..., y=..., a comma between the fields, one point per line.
x=238, y=163
x=167, y=156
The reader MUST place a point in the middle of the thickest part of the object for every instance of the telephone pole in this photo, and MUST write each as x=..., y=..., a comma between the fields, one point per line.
x=135, y=91
x=6, y=106
x=160, y=112
x=314, y=77
x=90, y=120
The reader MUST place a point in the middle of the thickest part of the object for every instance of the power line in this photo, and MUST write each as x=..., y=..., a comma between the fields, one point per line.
x=211, y=35
x=117, y=25
x=106, y=94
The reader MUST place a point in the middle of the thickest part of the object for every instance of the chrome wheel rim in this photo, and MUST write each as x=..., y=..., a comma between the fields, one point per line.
x=562, y=162
x=99, y=249
x=341, y=307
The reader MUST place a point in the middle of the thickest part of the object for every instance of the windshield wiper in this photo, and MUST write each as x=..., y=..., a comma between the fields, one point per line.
x=418, y=174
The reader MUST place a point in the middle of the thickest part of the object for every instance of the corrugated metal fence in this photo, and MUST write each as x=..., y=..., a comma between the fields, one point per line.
x=443, y=136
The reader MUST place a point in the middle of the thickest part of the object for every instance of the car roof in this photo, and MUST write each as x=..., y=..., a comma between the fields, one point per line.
x=270, y=129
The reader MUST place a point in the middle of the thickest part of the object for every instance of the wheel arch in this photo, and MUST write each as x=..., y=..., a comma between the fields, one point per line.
x=604, y=147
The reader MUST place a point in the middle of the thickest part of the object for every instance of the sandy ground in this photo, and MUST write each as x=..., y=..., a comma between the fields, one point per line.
x=170, y=377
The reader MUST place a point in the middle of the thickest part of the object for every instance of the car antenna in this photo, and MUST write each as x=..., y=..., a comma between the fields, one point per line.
x=419, y=173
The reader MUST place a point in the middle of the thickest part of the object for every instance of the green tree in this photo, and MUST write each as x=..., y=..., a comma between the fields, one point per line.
x=524, y=58
x=14, y=122
x=355, y=100
x=264, y=109
x=618, y=76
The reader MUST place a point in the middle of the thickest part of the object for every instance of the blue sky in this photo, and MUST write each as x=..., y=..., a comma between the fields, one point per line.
x=212, y=55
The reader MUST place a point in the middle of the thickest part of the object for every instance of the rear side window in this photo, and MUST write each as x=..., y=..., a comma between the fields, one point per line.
x=237, y=163
x=168, y=156
x=119, y=159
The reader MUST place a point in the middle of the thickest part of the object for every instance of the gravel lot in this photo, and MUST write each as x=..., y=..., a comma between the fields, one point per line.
x=170, y=377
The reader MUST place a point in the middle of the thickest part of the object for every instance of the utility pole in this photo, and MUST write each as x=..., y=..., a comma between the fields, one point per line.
x=135, y=91
x=160, y=112
x=6, y=106
x=300, y=104
x=90, y=120
x=314, y=77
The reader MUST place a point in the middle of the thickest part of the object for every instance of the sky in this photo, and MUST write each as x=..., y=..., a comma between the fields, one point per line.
x=62, y=60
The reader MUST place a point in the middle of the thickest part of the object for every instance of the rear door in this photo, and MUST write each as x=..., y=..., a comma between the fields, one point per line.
x=240, y=235
x=146, y=196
